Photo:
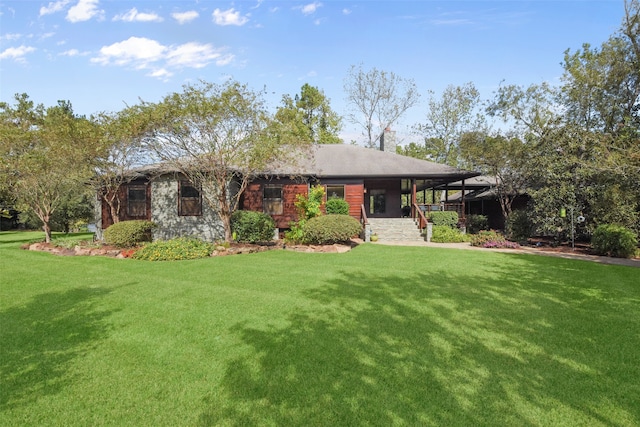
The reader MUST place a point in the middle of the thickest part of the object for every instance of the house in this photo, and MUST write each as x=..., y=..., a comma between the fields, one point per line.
x=481, y=198
x=374, y=183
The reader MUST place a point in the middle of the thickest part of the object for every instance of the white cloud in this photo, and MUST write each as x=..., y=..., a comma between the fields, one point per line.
x=142, y=53
x=184, y=17
x=73, y=52
x=17, y=53
x=136, y=51
x=192, y=55
x=53, y=7
x=346, y=11
x=161, y=74
x=84, y=10
x=134, y=16
x=310, y=8
x=10, y=37
x=229, y=17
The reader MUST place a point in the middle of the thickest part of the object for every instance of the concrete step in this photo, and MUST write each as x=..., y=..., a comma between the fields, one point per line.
x=395, y=229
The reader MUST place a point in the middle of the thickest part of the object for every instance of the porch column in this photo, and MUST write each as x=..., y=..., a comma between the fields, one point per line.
x=414, y=198
x=463, y=208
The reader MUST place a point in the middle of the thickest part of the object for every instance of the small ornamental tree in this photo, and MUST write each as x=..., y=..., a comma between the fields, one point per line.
x=308, y=206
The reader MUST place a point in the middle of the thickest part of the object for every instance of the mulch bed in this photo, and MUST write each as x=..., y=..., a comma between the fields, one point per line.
x=233, y=249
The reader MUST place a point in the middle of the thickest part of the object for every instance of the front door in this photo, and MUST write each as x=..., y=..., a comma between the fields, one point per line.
x=377, y=202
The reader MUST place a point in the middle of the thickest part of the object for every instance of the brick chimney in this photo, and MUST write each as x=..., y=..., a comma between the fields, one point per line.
x=388, y=140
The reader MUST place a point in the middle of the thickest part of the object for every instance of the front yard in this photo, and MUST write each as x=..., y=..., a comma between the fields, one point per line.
x=380, y=335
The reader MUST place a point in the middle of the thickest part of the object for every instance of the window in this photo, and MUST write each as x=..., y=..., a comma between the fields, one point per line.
x=137, y=201
x=189, y=200
x=335, y=192
x=272, y=199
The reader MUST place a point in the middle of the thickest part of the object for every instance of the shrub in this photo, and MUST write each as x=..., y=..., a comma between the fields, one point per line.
x=252, y=227
x=308, y=206
x=476, y=223
x=449, y=218
x=328, y=229
x=519, y=226
x=177, y=249
x=491, y=239
x=337, y=206
x=614, y=240
x=126, y=234
x=446, y=234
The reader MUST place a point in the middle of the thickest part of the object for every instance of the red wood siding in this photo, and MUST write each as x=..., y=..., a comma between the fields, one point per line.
x=354, y=195
x=252, y=200
x=107, y=220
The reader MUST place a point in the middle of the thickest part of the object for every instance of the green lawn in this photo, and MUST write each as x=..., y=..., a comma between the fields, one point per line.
x=378, y=336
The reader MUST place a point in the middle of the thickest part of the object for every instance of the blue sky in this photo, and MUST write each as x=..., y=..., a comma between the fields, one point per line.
x=104, y=54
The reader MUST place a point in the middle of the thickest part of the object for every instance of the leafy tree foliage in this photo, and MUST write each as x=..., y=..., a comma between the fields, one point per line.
x=447, y=119
x=602, y=85
x=502, y=158
x=47, y=155
x=216, y=135
x=377, y=99
x=120, y=151
x=309, y=117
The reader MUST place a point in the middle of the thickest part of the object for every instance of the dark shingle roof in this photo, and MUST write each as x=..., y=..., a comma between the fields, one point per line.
x=343, y=161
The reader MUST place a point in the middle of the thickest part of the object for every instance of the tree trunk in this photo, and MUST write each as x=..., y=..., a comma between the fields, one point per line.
x=46, y=228
x=114, y=206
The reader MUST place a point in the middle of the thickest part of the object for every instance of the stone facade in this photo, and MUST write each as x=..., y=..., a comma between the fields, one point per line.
x=164, y=213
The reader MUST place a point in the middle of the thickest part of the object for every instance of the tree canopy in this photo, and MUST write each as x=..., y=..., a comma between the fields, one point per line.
x=218, y=136
x=47, y=154
x=309, y=117
x=377, y=99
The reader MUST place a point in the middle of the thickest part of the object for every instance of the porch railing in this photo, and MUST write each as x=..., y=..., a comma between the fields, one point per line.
x=420, y=212
x=418, y=216
x=445, y=206
x=366, y=229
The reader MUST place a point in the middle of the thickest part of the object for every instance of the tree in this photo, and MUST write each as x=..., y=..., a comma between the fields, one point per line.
x=120, y=151
x=378, y=99
x=602, y=85
x=501, y=157
x=309, y=116
x=48, y=154
x=447, y=119
x=530, y=111
x=218, y=137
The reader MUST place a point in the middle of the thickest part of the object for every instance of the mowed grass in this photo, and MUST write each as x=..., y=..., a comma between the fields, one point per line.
x=377, y=336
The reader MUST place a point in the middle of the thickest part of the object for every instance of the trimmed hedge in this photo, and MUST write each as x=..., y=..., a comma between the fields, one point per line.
x=177, y=249
x=614, y=240
x=337, y=206
x=449, y=218
x=252, y=227
x=126, y=234
x=447, y=234
x=328, y=229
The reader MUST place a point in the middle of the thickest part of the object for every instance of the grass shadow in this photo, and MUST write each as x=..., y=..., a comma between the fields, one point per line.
x=40, y=340
x=527, y=346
